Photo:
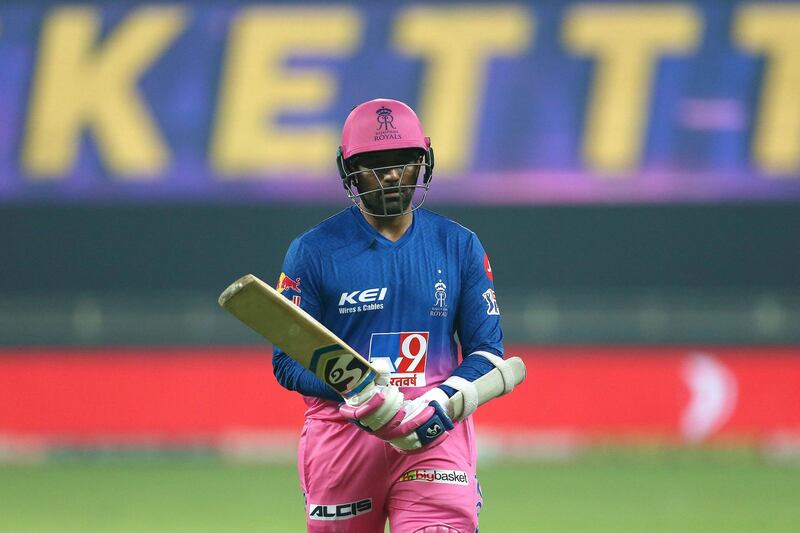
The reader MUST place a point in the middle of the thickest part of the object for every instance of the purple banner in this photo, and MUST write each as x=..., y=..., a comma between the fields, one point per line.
x=541, y=102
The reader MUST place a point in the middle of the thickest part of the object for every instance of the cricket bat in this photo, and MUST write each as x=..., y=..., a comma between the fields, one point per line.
x=304, y=339
x=301, y=336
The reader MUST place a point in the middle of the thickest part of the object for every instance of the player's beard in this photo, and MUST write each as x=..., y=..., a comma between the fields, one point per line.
x=390, y=201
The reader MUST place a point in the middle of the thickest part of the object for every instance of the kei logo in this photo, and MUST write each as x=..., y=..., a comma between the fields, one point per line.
x=491, y=302
x=385, y=119
x=405, y=353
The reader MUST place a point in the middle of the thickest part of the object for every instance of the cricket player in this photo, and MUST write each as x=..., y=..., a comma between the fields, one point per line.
x=404, y=287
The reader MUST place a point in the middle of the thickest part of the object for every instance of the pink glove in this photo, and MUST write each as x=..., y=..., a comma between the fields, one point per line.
x=379, y=408
x=424, y=425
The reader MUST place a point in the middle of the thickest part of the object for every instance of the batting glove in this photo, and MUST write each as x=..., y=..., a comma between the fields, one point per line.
x=376, y=407
x=425, y=423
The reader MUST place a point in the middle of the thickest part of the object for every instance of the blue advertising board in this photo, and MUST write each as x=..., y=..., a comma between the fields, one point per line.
x=526, y=103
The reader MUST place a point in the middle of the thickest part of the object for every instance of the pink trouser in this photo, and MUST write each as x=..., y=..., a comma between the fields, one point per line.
x=353, y=481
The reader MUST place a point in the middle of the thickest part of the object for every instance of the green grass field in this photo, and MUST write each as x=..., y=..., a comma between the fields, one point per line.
x=656, y=491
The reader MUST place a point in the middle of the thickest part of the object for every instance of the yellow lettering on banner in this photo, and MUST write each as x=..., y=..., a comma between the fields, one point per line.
x=457, y=43
x=81, y=83
x=258, y=88
x=774, y=30
x=627, y=41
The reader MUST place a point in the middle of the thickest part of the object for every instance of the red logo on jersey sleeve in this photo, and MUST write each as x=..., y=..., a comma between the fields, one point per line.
x=285, y=283
x=487, y=267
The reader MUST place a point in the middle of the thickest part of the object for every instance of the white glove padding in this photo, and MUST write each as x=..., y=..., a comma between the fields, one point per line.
x=376, y=406
x=506, y=371
x=425, y=423
x=471, y=397
x=382, y=407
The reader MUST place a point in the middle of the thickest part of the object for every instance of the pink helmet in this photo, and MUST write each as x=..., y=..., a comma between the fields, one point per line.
x=382, y=124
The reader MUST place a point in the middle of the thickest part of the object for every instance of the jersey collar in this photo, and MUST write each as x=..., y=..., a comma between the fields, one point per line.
x=370, y=236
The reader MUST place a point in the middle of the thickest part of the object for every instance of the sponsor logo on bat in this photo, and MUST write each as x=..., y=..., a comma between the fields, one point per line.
x=338, y=368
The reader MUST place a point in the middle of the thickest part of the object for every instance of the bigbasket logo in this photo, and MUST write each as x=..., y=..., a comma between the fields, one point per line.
x=450, y=477
x=339, y=511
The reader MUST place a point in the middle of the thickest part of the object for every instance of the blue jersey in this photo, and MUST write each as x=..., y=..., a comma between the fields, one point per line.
x=408, y=303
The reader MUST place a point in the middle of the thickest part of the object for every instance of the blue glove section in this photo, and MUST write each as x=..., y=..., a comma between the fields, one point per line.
x=435, y=426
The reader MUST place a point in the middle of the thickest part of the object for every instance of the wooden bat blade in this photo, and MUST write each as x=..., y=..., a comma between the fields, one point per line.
x=297, y=333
